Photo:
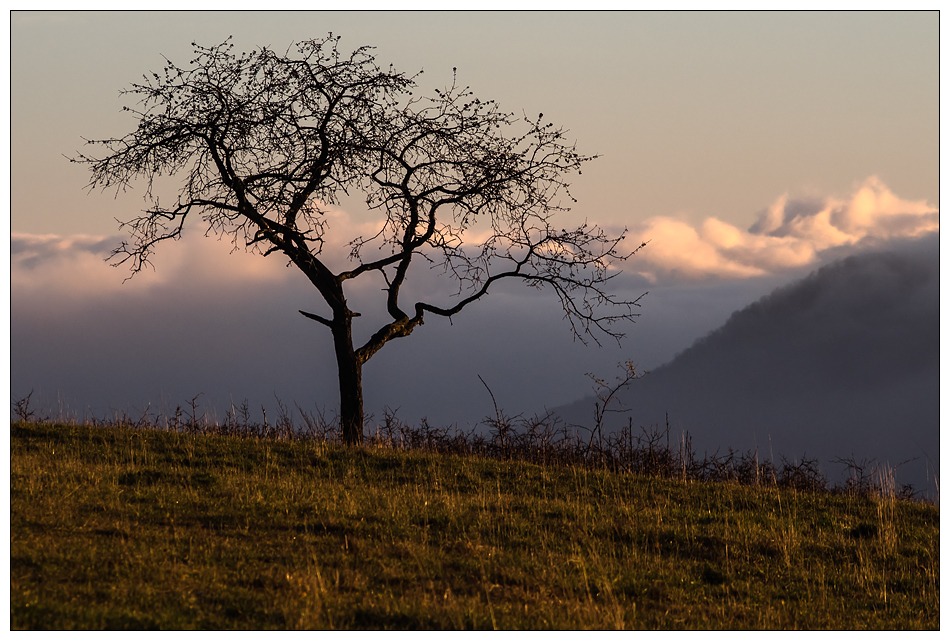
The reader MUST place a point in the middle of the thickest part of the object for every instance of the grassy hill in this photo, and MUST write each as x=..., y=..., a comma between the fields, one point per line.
x=115, y=527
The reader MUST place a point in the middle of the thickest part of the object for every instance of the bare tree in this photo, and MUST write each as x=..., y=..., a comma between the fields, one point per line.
x=264, y=142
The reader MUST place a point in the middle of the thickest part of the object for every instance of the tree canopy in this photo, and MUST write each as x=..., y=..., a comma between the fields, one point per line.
x=264, y=142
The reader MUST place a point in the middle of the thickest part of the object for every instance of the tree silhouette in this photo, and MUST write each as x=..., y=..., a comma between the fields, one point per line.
x=265, y=142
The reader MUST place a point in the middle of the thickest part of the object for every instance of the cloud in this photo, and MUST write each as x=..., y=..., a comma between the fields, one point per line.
x=791, y=233
x=79, y=266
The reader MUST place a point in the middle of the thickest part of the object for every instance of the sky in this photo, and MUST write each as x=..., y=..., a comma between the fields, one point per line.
x=695, y=115
x=748, y=148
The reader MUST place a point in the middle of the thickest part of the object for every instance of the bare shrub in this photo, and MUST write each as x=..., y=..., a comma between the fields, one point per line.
x=869, y=479
x=22, y=409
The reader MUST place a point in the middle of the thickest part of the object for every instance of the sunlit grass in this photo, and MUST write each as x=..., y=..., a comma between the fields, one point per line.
x=146, y=529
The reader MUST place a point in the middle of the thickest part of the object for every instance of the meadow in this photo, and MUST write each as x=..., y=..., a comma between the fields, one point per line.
x=184, y=525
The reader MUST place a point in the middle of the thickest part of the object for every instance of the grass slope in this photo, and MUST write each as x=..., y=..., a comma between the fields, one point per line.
x=145, y=529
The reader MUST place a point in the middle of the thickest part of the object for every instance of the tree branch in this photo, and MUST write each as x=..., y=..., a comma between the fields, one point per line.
x=319, y=319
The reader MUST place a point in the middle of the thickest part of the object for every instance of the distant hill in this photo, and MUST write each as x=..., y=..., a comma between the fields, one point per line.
x=843, y=362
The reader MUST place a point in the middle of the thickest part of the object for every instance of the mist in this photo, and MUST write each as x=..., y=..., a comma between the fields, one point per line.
x=225, y=325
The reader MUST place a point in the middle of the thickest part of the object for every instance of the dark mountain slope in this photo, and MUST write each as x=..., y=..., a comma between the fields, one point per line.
x=843, y=362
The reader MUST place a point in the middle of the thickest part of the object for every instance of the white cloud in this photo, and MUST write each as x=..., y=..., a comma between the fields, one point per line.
x=790, y=233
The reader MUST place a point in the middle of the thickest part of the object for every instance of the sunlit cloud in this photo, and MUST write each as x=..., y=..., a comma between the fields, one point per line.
x=790, y=233
x=79, y=266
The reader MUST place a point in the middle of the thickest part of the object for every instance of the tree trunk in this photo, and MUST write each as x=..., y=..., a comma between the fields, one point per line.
x=351, y=383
